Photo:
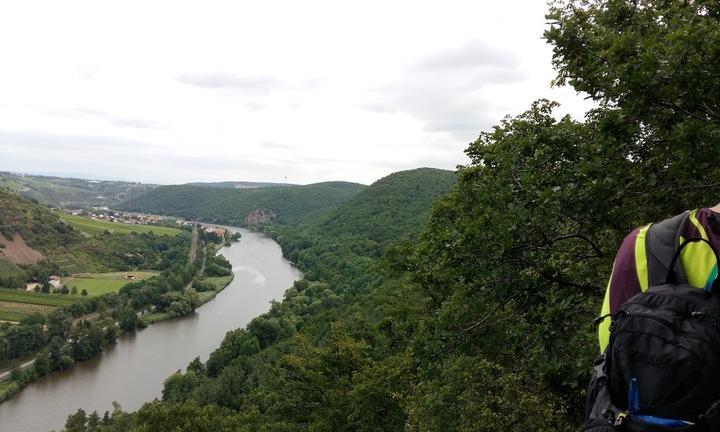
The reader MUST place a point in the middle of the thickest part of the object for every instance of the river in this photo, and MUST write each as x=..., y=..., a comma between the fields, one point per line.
x=132, y=372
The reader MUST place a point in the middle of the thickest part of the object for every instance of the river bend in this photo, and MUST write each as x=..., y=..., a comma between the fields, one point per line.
x=132, y=371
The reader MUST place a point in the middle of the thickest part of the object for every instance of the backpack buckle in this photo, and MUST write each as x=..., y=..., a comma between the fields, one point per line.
x=620, y=419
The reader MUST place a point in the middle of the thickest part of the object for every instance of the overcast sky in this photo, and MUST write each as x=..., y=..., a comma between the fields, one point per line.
x=173, y=92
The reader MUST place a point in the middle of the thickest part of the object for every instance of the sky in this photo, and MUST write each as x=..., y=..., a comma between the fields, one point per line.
x=175, y=92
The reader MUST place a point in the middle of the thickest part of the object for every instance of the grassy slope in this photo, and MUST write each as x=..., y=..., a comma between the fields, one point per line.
x=12, y=311
x=290, y=203
x=9, y=269
x=40, y=228
x=91, y=226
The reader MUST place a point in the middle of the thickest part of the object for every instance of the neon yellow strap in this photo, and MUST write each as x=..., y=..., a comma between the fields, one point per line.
x=698, y=225
x=604, y=326
x=641, y=259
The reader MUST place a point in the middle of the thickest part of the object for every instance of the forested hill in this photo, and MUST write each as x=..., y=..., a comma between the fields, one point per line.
x=291, y=369
x=392, y=207
x=483, y=323
x=289, y=204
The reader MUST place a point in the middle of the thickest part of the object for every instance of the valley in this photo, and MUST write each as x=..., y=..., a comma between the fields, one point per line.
x=359, y=216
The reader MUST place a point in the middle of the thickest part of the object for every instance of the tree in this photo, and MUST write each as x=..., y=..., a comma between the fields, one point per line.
x=58, y=324
x=178, y=387
x=652, y=66
x=42, y=363
x=74, y=290
x=127, y=319
x=111, y=330
x=84, y=292
x=196, y=366
x=76, y=422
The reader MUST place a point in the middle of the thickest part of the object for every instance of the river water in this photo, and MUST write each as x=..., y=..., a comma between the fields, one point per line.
x=132, y=372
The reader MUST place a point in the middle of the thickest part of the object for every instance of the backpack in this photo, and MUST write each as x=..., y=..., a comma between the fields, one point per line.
x=661, y=368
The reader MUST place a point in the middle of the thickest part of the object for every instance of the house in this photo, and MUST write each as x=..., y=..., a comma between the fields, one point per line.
x=130, y=277
x=30, y=286
x=54, y=281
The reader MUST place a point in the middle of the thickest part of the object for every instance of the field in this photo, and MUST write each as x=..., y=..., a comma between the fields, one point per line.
x=16, y=296
x=103, y=283
x=16, y=305
x=11, y=311
x=92, y=226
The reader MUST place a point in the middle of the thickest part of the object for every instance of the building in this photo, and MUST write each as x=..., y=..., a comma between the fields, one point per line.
x=54, y=281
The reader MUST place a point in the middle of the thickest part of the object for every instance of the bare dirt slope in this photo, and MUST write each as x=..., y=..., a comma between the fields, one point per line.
x=18, y=252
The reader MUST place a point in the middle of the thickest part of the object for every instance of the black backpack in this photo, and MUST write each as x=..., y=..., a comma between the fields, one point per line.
x=661, y=369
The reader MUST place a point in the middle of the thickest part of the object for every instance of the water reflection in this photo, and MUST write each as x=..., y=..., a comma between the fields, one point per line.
x=132, y=372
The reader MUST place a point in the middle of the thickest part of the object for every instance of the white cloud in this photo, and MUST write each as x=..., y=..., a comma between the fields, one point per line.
x=220, y=80
x=169, y=91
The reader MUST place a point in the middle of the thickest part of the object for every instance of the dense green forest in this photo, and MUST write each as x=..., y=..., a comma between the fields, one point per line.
x=481, y=319
x=289, y=204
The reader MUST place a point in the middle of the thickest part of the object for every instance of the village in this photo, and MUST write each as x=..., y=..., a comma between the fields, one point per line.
x=97, y=220
x=106, y=215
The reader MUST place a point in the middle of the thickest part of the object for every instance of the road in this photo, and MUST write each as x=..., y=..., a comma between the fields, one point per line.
x=6, y=375
x=89, y=317
x=193, y=245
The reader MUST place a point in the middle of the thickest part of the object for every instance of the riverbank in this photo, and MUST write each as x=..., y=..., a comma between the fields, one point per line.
x=220, y=283
x=132, y=371
x=19, y=374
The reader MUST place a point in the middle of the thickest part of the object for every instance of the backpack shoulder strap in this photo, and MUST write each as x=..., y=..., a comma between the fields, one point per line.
x=661, y=242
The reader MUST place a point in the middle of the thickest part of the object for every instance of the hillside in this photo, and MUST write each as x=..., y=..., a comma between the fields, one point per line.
x=72, y=192
x=35, y=242
x=392, y=207
x=29, y=233
x=483, y=322
x=237, y=184
x=289, y=204
x=318, y=355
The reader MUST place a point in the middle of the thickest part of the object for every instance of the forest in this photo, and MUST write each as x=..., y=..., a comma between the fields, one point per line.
x=477, y=316
x=290, y=204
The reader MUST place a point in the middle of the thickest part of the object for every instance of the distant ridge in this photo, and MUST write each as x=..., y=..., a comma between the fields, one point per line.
x=238, y=184
x=288, y=204
x=72, y=192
